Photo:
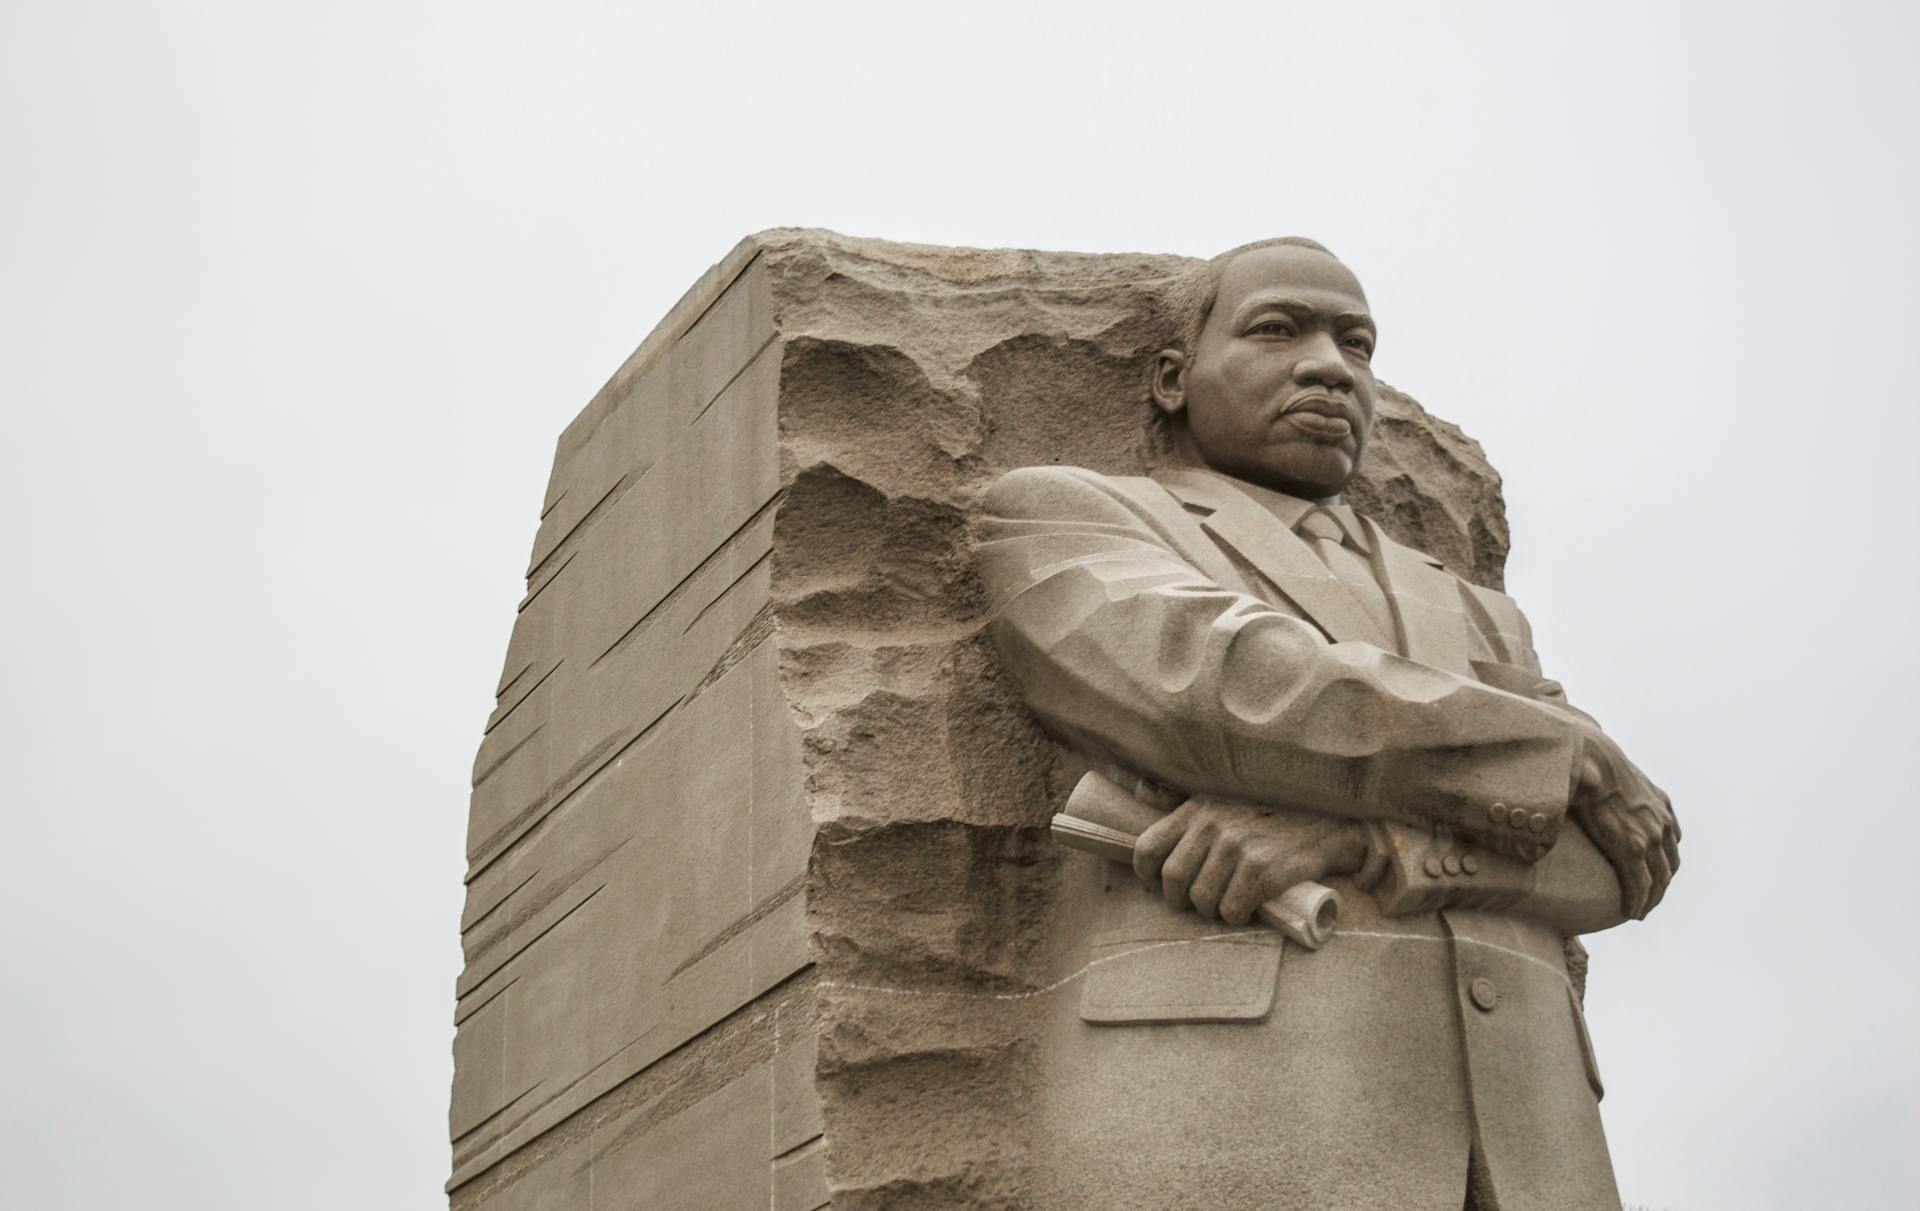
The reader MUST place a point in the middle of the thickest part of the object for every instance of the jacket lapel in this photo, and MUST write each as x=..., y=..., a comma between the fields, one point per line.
x=1239, y=522
x=1425, y=601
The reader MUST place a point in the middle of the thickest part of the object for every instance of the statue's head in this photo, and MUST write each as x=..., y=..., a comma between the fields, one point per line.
x=1272, y=381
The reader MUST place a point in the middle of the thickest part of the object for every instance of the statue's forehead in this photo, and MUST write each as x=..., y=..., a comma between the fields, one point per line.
x=1311, y=275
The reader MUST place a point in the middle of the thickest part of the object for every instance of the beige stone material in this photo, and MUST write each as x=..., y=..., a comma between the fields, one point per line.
x=763, y=910
x=1325, y=703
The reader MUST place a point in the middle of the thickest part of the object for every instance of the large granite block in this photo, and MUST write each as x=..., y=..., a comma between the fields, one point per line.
x=758, y=903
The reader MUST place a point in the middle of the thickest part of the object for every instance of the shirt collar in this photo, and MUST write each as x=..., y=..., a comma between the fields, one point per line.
x=1292, y=510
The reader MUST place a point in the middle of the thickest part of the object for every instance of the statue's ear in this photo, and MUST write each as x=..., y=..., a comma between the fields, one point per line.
x=1170, y=381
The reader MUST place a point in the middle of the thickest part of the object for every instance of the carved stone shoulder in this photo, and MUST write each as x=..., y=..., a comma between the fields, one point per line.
x=1056, y=493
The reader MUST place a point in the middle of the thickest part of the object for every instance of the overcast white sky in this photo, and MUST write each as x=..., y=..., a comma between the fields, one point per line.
x=297, y=298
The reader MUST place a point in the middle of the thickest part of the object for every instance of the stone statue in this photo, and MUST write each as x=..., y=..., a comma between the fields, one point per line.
x=764, y=901
x=1292, y=696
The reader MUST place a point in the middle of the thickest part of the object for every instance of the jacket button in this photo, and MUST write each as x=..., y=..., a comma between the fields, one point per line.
x=1538, y=824
x=1497, y=813
x=1469, y=863
x=1431, y=866
x=1484, y=995
x=1451, y=863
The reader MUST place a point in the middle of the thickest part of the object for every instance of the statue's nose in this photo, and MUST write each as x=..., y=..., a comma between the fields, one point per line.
x=1321, y=365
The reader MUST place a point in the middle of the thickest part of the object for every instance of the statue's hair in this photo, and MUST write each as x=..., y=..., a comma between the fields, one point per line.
x=1189, y=298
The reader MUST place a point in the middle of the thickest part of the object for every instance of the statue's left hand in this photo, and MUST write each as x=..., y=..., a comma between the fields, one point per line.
x=1227, y=859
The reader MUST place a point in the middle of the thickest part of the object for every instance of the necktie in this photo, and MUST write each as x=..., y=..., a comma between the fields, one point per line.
x=1328, y=538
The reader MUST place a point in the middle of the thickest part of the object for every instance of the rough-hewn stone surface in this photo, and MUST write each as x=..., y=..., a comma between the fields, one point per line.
x=759, y=906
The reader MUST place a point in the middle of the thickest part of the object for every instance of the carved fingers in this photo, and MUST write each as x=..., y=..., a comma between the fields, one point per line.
x=1630, y=820
x=1671, y=834
x=1224, y=860
x=1183, y=866
x=1152, y=849
x=1636, y=830
x=1249, y=888
x=1655, y=829
x=1628, y=853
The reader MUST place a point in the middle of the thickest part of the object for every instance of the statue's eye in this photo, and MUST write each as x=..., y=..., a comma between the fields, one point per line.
x=1271, y=328
x=1359, y=344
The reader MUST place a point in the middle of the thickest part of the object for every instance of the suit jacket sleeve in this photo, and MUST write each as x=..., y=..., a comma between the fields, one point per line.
x=1130, y=653
x=1573, y=887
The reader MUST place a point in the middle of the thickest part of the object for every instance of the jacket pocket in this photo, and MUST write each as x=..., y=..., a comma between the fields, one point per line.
x=1152, y=964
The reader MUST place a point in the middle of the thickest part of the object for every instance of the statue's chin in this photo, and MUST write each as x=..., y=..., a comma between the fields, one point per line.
x=1309, y=491
x=1310, y=475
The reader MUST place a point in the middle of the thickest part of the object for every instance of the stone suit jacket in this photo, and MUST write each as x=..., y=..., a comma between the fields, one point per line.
x=1175, y=629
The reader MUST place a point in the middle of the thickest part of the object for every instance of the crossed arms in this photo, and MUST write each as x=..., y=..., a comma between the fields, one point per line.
x=1130, y=653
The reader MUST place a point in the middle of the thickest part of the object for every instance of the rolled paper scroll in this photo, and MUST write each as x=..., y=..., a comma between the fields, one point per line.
x=1102, y=818
x=1305, y=912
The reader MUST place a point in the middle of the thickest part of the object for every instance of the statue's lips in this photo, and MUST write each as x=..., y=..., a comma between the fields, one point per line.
x=1320, y=417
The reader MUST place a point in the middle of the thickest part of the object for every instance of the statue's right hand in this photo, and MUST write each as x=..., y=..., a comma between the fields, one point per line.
x=1226, y=859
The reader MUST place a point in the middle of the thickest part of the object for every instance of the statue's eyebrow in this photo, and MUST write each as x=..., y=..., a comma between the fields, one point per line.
x=1300, y=309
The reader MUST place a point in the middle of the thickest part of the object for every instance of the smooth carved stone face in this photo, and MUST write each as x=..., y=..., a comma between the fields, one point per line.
x=1279, y=390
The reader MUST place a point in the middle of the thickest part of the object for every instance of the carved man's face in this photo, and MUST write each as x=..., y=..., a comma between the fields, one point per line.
x=1279, y=389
